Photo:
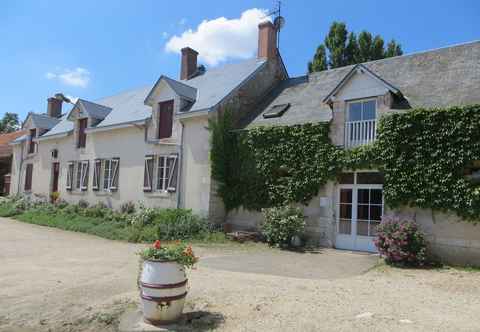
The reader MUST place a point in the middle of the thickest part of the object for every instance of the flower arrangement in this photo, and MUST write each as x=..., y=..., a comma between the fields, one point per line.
x=401, y=242
x=178, y=252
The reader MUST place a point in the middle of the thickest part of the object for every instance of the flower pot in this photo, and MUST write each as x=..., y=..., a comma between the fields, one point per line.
x=163, y=290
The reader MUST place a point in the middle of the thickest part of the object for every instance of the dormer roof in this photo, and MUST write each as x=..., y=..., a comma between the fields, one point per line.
x=41, y=121
x=181, y=89
x=89, y=109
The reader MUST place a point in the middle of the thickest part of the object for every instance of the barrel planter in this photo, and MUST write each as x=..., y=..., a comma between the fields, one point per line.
x=163, y=287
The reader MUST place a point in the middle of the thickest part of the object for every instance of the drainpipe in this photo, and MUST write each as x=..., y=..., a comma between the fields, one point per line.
x=180, y=164
x=19, y=176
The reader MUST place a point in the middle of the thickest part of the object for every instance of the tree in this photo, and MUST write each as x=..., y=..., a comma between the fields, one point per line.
x=319, y=61
x=9, y=123
x=342, y=48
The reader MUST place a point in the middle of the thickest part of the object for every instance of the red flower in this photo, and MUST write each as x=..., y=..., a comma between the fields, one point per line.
x=157, y=244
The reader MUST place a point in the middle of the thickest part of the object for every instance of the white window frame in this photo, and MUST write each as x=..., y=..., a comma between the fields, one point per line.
x=362, y=101
x=80, y=170
x=105, y=179
x=163, y=172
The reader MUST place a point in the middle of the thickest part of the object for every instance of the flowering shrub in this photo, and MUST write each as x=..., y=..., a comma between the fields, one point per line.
x=281, y=224
x=177, y=252
x=401, y=242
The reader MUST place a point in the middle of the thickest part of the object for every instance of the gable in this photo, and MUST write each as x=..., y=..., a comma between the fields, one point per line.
x=360, y=85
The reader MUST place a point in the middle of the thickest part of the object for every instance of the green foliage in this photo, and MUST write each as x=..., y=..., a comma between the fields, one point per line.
x=281, y=224
x=179, y=224
x=342, y=48
x=176, y=252
x=424, y=154
x=401, y=243
x=9, y=123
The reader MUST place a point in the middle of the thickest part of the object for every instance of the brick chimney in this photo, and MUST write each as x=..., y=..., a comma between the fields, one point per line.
x=189, y=63
x=54, y=106
x=267, y=41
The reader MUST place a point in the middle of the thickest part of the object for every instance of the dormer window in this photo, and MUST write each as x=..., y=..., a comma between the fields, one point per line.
x=31, y=143
x=165, y=119
x=360, y=127
x=82, y=135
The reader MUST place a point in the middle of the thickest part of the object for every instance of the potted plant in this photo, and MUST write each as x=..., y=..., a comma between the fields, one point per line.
x=163, y=282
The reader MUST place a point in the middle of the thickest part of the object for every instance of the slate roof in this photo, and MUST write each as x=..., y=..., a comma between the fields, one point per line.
x=442, y=77
x=207, y=90
x=94, y=110
x=43, y=121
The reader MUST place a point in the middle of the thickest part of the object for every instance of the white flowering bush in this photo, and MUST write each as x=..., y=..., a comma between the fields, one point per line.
x=281, y=224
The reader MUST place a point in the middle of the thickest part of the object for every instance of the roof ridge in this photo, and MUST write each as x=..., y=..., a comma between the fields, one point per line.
x=398, y=56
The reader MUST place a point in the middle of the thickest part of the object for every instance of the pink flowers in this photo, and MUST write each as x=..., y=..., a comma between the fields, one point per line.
x=157, y=244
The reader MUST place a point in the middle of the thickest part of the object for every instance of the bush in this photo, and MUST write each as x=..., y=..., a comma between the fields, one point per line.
x=401, y=243
x=128, y=207
x=83, y=204
x=179, y=224
x=281, y=224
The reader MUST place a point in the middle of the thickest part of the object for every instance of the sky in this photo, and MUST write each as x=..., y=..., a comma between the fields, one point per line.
x=93, y=49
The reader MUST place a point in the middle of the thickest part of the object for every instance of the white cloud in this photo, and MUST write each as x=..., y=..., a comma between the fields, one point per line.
x=78, y=77
x=221, y=39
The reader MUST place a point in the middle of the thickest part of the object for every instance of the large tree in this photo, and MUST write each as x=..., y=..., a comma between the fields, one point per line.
x=9, y=123
x=342, y=48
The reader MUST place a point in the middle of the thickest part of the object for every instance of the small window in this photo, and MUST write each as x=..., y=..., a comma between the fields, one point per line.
x=163, y=173
x=55, y=153
x=346, y=178
x=110, y=174
x=71, y=166
x=82, y=175
x=165, y=119
x=82, y=135
x=28, y=177
x=369, y=178
x=31, y=143
x=166, y=172
x=276, y=111
x=362, y=110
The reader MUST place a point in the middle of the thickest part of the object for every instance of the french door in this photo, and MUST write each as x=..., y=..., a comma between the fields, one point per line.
x=359, y=211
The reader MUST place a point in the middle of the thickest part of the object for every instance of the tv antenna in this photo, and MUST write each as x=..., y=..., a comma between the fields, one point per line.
x=278, y=21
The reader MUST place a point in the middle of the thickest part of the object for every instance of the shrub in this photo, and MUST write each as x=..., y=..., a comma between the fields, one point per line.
x=401, y=242
x=128, y=207
x=179, y=224
x=83, y=204
x=143, y=216
x=281, y=224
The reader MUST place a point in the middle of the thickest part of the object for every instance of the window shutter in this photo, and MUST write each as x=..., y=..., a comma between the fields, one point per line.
x=148, y=174
x=172, y=177
x=165, y=119
x=85, y=170
x=70, y=175
x=115, y=170
x=28, y=177
x=97, y=166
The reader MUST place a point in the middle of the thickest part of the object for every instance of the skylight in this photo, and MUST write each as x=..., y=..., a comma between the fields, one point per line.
x=276, y=111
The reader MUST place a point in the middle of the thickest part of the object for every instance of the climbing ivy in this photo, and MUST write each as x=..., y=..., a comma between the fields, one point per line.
x=423, y=154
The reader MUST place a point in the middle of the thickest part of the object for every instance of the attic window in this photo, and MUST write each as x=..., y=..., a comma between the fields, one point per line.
x=276, y=111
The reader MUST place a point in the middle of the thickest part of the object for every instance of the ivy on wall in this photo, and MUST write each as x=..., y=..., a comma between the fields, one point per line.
x=423, y=154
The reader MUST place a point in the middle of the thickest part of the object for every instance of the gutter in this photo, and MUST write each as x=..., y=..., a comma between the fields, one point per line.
x=60, y=135
x=180, y=168
x=115, y=126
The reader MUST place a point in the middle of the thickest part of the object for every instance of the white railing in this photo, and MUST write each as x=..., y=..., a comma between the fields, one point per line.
x=359, y=132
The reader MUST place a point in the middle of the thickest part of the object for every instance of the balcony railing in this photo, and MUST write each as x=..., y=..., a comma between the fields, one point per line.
x=359, y=132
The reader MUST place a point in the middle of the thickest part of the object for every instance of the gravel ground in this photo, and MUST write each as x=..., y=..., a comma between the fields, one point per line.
x=51, y=280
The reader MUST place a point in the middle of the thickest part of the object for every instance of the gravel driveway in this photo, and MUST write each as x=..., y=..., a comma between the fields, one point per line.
x=51, y=280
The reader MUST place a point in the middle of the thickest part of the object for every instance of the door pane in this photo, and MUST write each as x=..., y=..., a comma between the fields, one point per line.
x=345, y=226
x=369, y=178
x=345, y=195
x=355, y=111
x=369, y=110
x=346, y=211
x=362, y=212
x=363, y=196
x=376, y=196
x=362, y=227
x=375, y=212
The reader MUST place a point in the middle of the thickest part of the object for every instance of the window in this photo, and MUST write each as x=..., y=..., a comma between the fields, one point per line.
x=276, y=111
x=110, y=174
x=28, y=177
x=31, y=143
x=82, y=136
x=82, y=175
x=70, y=173
x=165, y=119
x=162, y=169
x=362, y=110
x=54, y=154
x=97, y=167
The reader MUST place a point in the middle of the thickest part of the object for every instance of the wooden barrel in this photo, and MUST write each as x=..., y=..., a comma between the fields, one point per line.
x=163, y=291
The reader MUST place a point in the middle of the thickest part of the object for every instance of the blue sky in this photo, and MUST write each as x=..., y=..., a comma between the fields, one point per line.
x=92, y=49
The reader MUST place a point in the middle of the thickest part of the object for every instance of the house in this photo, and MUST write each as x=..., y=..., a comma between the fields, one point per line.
x=351, y=99
x=147, y=145
x=6, y=152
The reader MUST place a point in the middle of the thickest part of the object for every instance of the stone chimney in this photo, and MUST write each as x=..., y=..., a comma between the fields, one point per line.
x=54, y=108
x=189, y=63
x=267, y=41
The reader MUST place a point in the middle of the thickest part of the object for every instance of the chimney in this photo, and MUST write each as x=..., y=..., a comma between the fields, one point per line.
x=267, y=41
x=54, y=108
x=189, y=63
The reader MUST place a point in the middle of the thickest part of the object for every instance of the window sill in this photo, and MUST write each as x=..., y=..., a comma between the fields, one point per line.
x=163, y=141
x=104, y=193
x=78, y=193
x=158, y=194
